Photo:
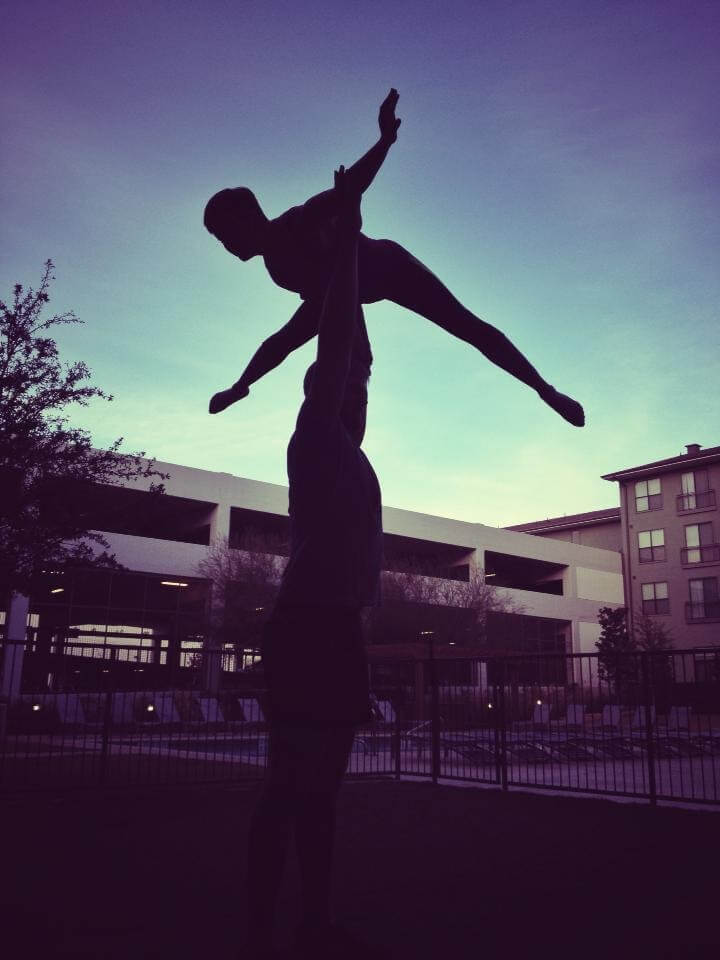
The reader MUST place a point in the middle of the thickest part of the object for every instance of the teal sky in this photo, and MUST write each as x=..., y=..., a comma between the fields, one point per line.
x=557, y=166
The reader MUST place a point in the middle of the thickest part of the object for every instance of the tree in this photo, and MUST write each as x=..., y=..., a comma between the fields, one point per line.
x=654, y=637
x=48, y=469
x=651, y=635
x=245, y=580
x=465, y=604
x=616, y=666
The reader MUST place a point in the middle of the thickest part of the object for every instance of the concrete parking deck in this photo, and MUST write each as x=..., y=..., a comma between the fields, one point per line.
x=425, y=871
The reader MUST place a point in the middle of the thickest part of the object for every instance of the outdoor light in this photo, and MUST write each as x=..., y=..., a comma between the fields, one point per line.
x=451, y=643
x=36, y=706
x=258, y=609
x=539, y=702
x=490, y=575
x=426, y=633
x=150, y=708
x=58, y=590
x=490, y=706
x=172, y=583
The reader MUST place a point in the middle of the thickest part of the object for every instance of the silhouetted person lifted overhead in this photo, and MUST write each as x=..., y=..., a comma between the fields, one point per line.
x=313, y=651
x=297, y=248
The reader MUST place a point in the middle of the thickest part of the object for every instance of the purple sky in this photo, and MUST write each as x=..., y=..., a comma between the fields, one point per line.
x=557, y=167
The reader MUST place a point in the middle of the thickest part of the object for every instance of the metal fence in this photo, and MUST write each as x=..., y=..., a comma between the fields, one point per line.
x=643, y=725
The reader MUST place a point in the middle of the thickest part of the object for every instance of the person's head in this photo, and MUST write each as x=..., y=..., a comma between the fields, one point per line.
x=235, y=217
x=353, y=412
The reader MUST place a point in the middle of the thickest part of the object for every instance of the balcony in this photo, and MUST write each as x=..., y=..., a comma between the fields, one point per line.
x=687, y=502
x=697, y=611
x=705, y=553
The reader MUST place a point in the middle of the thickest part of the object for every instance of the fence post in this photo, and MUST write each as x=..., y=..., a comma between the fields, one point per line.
x=434, y=716
x=502, y=719
x=105, y=746
x=647, y=696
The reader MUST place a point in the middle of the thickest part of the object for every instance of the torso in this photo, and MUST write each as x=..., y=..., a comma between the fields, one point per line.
x=335, y=521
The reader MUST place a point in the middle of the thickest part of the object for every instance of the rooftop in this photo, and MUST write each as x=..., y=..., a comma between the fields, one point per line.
x=694, y=457
x=609, y=515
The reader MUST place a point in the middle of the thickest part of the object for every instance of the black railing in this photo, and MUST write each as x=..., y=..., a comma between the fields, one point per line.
x=641, y=725
x=705, y=553
x=702, y=610
x=695, y=501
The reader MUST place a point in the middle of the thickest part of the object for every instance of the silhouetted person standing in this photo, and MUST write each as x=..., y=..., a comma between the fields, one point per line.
x=297, y=248
x=313, y=649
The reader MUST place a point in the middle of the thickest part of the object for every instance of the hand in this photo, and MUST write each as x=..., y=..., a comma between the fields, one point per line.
x=386, y=118
x=348, y=203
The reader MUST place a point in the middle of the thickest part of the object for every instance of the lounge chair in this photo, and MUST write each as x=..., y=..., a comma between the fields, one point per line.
x=611, y=719
x=575, y=718
x=252, y=711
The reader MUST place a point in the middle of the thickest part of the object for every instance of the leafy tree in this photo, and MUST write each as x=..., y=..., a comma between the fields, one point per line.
x=48, y=469
x=616, y=666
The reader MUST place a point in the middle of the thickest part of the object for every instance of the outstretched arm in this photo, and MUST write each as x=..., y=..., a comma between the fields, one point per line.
x=301, y=327
x=362, y=173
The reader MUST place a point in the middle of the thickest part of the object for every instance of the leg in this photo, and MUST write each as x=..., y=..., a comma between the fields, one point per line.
x=409, y=283
x=269, y=839
x=325, y=757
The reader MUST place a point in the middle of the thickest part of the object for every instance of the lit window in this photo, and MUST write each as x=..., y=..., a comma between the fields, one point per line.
x=704, y=599
x=655, y=598
x=648, y=495
x=696, y=492
x=651, y=544
x=699, y=544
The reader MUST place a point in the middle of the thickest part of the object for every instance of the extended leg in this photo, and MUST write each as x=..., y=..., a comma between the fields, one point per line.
x=409, y=283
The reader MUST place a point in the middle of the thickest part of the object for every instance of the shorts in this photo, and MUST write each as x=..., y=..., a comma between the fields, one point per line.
x=315, y=667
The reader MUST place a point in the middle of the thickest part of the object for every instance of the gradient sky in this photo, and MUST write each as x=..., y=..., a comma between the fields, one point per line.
x=557, y=167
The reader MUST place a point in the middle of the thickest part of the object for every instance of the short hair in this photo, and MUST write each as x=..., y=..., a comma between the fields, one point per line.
x=229, y=204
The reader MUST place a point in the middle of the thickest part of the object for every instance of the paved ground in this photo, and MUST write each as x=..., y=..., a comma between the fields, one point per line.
x=428, y=872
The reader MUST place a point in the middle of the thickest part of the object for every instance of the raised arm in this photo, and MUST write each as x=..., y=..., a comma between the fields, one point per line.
x=362, y=173
x=338, y=319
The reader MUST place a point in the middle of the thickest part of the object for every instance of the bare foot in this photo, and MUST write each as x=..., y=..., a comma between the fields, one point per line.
x=568, y=408
x=225, y=398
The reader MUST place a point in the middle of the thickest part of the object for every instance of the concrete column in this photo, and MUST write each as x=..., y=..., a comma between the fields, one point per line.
x=14, y=651
x=220, y=522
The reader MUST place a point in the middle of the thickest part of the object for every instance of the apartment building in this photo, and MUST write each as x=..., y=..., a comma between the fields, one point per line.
x=667, y=530
x=670, y=532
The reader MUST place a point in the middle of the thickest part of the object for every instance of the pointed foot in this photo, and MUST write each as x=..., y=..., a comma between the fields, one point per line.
x=568, y=408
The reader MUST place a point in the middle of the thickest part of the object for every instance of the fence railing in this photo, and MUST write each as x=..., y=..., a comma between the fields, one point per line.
x=643, y=725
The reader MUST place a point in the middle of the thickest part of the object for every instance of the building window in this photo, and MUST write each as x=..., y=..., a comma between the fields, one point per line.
x=655, y=598
x=700, y=546
x=704, y=599
x=648, y=495
x=651, y=544
x=696, y=492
